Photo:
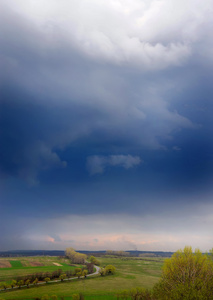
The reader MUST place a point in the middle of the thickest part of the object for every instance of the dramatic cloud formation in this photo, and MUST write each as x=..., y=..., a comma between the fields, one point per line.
x=154, y=34
x=120, y=90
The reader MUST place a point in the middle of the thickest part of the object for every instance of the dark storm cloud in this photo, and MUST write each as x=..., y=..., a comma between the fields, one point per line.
x=24, y=149
x=132, y=106
x=53, y=96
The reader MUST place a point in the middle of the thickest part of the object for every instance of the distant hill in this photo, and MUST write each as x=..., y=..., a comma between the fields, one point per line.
x=96, y=253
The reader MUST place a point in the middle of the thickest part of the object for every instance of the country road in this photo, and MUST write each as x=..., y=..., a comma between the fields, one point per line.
x=52, y=281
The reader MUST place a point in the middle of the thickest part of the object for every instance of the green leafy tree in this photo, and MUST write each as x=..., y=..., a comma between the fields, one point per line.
x=20, y=283
x=109, y=269
x=94, y=260
x=13, y=283
x=46, y=279
x=79, y=274
x=54, y=297
x=186, y=276
x=35, y=281
x=77, y=270
x=102, y=271
x=62, y=277
x=84, y=273
x=5, y=285
x=27, y=282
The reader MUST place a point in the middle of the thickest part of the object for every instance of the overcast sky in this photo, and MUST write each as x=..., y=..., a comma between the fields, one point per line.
x=106, y=124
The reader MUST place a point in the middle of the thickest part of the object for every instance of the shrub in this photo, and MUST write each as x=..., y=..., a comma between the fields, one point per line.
x=102, y=271
x=62, y=277
x=109, y=269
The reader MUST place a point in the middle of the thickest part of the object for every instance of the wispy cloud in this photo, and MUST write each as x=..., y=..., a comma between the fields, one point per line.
x=97, y=164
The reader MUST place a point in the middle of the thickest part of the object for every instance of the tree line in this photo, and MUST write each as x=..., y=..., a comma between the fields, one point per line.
x=117, y=253
x=75, y=257
x=45, y=277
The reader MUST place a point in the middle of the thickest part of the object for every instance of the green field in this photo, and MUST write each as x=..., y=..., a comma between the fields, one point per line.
x=24, y=266
x=130, y=273
x=16, y=264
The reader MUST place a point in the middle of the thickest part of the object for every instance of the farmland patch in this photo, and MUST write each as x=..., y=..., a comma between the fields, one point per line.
x=5, y=264
x=16, y=263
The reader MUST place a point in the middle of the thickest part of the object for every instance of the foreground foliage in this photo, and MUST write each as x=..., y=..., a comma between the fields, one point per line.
x=186, y=275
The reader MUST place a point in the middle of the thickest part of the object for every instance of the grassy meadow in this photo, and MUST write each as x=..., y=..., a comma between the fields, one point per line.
x=130, y=273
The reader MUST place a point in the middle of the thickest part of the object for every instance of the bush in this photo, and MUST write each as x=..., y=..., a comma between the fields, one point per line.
x=94, y=260
x=109, y=270
x=62, y=277
x=77, y=270
x=186, y=275
x=102, y=271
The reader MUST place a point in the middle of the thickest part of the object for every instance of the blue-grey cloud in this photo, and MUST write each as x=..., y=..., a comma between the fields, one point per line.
x=80, y=93
x=96, y=164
